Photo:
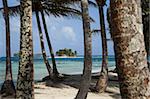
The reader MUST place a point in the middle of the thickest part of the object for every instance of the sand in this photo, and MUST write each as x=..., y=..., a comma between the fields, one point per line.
x=69, y=88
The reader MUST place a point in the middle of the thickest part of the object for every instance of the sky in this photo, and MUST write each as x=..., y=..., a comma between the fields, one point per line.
x=63, y=32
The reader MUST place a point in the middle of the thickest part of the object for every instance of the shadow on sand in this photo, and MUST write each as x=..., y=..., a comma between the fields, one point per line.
x=74, y=81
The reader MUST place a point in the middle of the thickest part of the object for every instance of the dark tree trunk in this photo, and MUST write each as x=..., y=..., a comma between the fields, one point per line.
x=103, y=79
x=8, y=87
x=42, y=45
x=25, y=81
x=55, y=71
x=126, y=26
x=146, y=30
x=146, y=24
x=86, y=78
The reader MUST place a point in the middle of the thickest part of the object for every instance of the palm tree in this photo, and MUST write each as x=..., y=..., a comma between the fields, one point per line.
x=146, y=18
x=62, y=7
x=25, y=82
x=42, y=45
x=8, y=87
x=103, y=79
x=62, y=2
x=56, y=8
x=49, y=8
x=55, y=71
x=86, y=78
x=126, y=26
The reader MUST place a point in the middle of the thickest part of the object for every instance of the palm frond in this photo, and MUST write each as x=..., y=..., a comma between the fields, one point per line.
x=56, y=8
x=109, y=39
x=56, y=11
x=92, y=4
x=12, y=11
x=95, y=31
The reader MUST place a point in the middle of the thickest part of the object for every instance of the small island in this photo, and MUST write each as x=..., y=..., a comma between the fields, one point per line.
x=66, y=52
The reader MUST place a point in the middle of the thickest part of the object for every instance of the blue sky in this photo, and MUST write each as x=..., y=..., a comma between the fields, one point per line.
x=64, y=33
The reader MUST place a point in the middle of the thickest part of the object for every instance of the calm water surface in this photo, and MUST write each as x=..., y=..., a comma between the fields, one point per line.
x=64, y=65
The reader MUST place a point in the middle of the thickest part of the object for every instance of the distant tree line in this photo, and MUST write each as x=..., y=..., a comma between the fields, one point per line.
x=67, y=52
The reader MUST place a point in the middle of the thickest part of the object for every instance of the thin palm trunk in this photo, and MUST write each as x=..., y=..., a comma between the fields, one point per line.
x=146, y=23
x=146, y=30
x=86, y=78
x=8, y=87
x=103, y=79
x=25, y=81
x=42, y=45
x=131, y=62
x=55, y=71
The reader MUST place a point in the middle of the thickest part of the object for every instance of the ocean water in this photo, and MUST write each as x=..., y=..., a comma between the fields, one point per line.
x=64, y=65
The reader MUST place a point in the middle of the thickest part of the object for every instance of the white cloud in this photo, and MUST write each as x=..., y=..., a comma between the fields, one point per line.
x=69, y=33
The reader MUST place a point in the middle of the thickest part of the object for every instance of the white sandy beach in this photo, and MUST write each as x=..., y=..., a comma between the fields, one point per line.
x=68, y=92
x=68, y=88
x=43, y=92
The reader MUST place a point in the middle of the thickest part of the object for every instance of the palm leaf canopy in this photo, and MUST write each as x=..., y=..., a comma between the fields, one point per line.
x=49, y=8
x=57, y=8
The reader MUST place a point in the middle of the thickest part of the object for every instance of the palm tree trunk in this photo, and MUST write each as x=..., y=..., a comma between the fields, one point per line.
x=146, y=30
x=147, y=36
x=8, y=87
x=55, y=71
x=86, y=78
x=42, y=45
x=25, y=81
x=133, y=72
x=103, y=79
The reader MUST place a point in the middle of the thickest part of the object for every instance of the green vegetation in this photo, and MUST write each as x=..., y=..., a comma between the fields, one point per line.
x=66, y=52
x=16, y=54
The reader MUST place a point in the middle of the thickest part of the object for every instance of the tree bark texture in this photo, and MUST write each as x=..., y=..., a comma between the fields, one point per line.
x=86, y=77
x=103, y=79
x=8, y=87
x=127, y=33
x=25, y=81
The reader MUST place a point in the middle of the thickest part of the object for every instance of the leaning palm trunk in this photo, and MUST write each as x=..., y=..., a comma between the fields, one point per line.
x=42, y=46
x=55, y=71
x=126, y=26
x=86, y=78
x=8, y=87
x=146, y=23
x=25, y=82
x=146, y=31
x=103, y=79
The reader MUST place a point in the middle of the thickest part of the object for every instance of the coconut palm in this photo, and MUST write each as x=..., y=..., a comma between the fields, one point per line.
x=57, y=11
x=55, y=71
x=146, y=18
x=131, y=62
x=52, y=7
x=103, y=79
x=25, y=82
x=8, y=87
x=65, y=10
x=86, y=77
x=42, y=45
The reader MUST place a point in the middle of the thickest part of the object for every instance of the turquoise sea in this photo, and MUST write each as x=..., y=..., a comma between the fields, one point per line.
x=64, y=65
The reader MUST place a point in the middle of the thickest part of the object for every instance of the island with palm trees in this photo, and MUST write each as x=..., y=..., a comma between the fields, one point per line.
x=66, y=53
